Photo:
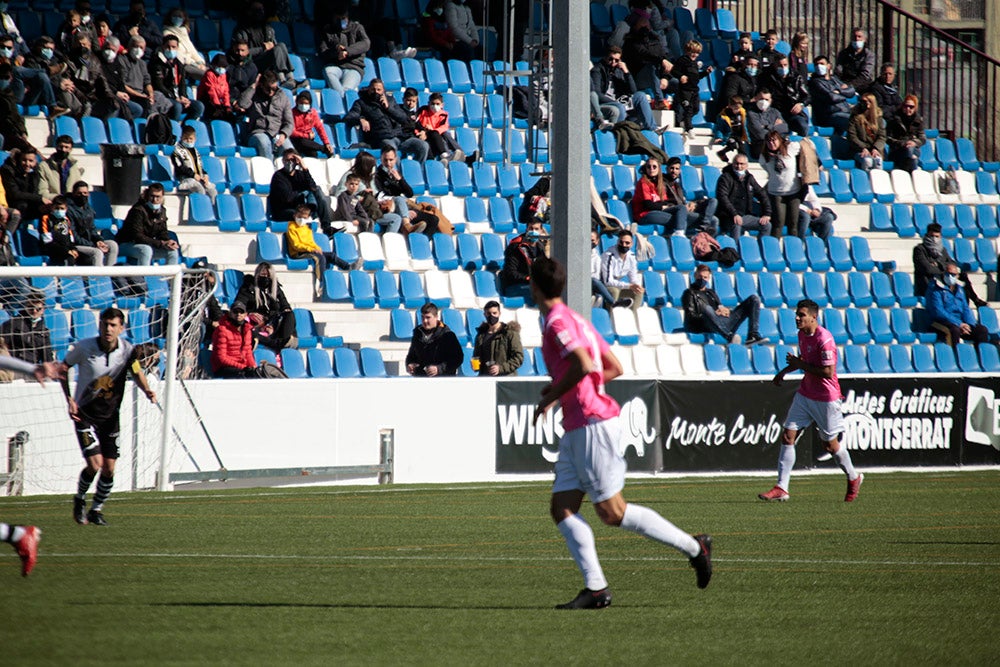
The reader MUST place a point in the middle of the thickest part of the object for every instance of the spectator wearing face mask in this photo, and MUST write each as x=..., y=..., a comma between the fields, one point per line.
x=743, y=203
x=189, y=172
x=434, y=120
x=704, y=312
x=620, y=273
x=167, y=74
x=856, y=63
x=143, y=236
x=307, y=123
x=103, y=252
x=241, y=72
x=521, y=252
x=762, y=119
x=790, y=94
x=265, y=49
x=829, y=95
x=930, y=259
x=301, y=244
x=949, y=311
x=343, y=48
x=21, y=182
x=498, y=344
x=213, y=91
x=26, y=335
x=137, y=24
x=56, y=234
x=58, y=172
x=435, y=31
x=176, y=24
x=269, y=116
x=293, y=185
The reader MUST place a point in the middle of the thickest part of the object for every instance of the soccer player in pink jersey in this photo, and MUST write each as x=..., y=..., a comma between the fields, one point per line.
x=817, y=401
x=581, y=362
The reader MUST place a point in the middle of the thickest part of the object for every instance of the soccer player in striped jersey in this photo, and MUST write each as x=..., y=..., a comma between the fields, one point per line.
x=589, y=462
x=817, y=401
x=104, y=363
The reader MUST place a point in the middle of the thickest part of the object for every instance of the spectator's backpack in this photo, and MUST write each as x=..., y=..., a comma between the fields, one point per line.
x=159, y=131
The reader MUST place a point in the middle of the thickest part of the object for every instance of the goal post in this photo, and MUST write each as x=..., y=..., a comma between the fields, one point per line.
x=162, y=305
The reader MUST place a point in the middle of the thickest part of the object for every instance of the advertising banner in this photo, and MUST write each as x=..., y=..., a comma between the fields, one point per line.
x=526, y=448
x=982, y=422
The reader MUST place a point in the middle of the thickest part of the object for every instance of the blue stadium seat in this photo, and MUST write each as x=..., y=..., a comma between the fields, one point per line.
x=604, y=144
x=469, y=253
x=859, y=289
x=413, y=74
x=814, y=287
x=318, y=363
x=680, y=250
x=724, y=287
x=675, y=283
x=923, y=359
x=238, y=178
x=854, y=359
x=739, y=359
x=945, y=217
x=899, y=318
x=750, y=253
x=967, y=154
x=836, y=289
x=691, y=179
x=623, y=179
x=968, y=360
x=159, y=170
x=456, y=112
x=923, y=215
x=269, y=248
x=989, y=319
x=83, y=324
x=878, y=360
x=600, y=18
x=946, y=155
x=200, y=211
x=986, y=252
x=94, y=133
x=791, y=288
x=965, y=254
x=228, y=213
x=715, y=358
x=72, y=292
x=388, y=70
x=861, y=254
x=601, y=320
x=899, y=358
x=401, y=324
x=458, y=75
x=926, y=158
x=882, y=289
x=493, y=250
x=965, y=219
x=902, y=285
x=411, y=288
x=508, y=180
x=880, y=218
x=444, y=252
x=460, y=178
x=335, y=287
x=362, y=290
x=437, y=77
x=484, y=179
x=293, y=363
x=372, y=364
x=944, y=358
x=839, y=252
x=774, y=259
x=770, y=291
x=746, y=285
x=833, y=321
x=661, y=261
x=862, y=186
x=656, y=292
x=878, y=325
x=840, y=185
x=345, y=363
x=485, y=284
x=989, y=359
x=922, y=326
x=493, y=149
x=254, y=213
x=902, y=220
x=386, y=290
x=455, y=320
x=986, y=218
x=763, y=360
x=768, y=327
x=795, y=253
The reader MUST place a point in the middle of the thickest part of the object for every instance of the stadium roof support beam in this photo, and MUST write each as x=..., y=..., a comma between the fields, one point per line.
x=570, y=148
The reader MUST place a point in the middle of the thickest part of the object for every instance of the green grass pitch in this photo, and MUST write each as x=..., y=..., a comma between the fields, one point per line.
x=468, y=574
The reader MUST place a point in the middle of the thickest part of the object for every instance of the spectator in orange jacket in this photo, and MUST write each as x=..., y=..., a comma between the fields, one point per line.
x=434, y=120
x=232, y=345
x=306, y=120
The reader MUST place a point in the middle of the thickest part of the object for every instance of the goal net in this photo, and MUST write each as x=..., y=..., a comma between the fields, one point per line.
x=44, y=312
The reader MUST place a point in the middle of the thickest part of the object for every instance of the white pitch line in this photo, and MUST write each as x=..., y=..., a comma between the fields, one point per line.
x=519, y=559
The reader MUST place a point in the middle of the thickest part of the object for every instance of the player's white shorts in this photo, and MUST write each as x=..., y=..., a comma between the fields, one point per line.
x=827, y=415
x=589, y=461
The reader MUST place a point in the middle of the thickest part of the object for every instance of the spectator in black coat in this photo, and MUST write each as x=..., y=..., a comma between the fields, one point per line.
x=434, y=348
x=26, y=335
x=789, y=94
x=886, y=92
x=137, y=23
x=83, y=216
x=20, y=181
x=856, y=63
x=267, y=52
x=737, y=191
x=384, y=123
x=293, y=185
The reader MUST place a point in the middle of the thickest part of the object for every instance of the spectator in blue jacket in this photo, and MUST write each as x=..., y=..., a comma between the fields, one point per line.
x=949, y=309
x=829, y=96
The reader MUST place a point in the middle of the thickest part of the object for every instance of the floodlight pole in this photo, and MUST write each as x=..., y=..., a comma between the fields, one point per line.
x=570, y=142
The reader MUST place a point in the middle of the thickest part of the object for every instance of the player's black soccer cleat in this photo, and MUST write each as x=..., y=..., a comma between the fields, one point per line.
x=79, y=510
x=702, y=563
x=588, y=599
x=96, y=518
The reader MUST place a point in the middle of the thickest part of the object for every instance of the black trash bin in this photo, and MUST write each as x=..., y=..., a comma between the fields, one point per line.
x=122, y=171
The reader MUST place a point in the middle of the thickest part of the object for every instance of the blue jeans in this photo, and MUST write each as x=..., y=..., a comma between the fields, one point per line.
x=904, y=158
x=145, y=254
x=749, y=308
x=193, y=112
x=341, y=79
x=821, y=226
x=672, y=219
x=390, y=222
x=40, y=84
x=641, y=111
x=798, y=123
x=750, y=223
x=262, y=144
x=703, y=218
x=601, y=290
x=418, y=148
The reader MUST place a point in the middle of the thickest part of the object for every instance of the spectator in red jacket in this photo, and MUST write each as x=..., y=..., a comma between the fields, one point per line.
x=232, y=345
x=434, y=120
x=213, y=91
x=306, y=120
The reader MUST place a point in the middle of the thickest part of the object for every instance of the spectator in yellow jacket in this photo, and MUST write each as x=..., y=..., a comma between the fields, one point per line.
x=302, y=245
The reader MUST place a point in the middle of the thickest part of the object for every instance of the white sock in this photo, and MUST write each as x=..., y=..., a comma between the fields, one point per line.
x=4, y=532
x=843, y=458
x=580, y=540
x=786, y=461
x=649, y=524
x=9, y=533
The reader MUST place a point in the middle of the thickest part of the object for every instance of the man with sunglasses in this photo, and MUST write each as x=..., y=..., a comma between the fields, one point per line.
x=616, y=93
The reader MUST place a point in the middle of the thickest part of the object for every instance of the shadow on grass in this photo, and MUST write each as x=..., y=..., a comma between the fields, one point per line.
x=948, y=542
x=349, y=605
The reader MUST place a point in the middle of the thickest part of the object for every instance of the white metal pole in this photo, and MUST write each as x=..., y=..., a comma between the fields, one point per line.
x=173, y=335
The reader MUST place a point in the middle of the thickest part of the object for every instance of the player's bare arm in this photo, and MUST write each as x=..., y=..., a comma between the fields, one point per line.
x=795, y=361
x=580, y=364
x=780, y=375
x=64, y=383
x=612, y=367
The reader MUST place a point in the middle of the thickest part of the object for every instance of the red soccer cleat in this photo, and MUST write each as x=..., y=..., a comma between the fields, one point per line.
x=777, y=493
x=27, y=549
x=853, y=486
